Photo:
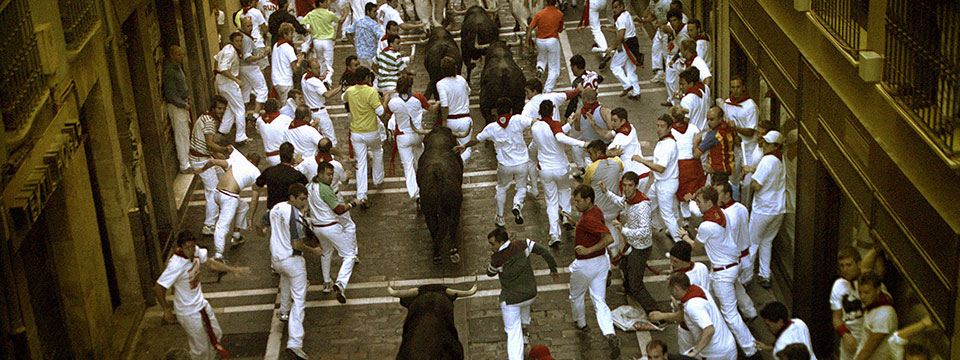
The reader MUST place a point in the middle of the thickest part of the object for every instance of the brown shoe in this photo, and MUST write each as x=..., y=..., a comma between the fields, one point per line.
x=626, y=91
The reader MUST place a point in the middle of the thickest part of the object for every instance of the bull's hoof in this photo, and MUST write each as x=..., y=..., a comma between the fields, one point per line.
x=454, y=256
x=437, y=260
x=516, y=27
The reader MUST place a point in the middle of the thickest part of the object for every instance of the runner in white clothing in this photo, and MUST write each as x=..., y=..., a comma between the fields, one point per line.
x=315, y=95
x=626, y=52
x=454, y=94
x=533, y=89
x=250, y=58
x=407, y=108
x=664, y=167
x=272, y=126
x=228, y=85
x=301, y=135
x=769, y=203
x=284, y=62
x=507, y=137
x=623, y=137
x=738, y=225
x=334, y=231
x=785, y=330
x=241, y=172
x=190, y=309
x=702, y=318
x=325, y=150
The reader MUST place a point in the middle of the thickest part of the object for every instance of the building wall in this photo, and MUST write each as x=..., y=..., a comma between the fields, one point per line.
x=856, y=145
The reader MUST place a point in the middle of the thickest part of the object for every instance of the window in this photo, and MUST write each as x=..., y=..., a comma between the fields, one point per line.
x=20, y=70
x=79, y=17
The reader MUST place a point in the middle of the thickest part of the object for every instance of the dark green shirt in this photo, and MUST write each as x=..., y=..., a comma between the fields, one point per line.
x=517, y=282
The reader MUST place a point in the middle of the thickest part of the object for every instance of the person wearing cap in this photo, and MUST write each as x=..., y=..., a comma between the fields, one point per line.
x=699, y=275
x=511, y=260
x=701, y=316
x=588, y=271
x=721, y=247
x=539, y=352
x=662, y=195
x=769, y=202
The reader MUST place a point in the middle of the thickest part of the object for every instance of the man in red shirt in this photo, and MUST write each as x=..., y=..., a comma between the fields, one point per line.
x=589, y=269
x=549, y=24
x=718, y=143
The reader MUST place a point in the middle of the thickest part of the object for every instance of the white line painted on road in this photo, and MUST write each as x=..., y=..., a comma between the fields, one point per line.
x=567, y=53
x=275, y=338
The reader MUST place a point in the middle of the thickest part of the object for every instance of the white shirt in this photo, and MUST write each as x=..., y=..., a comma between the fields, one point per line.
x=721, y=248
x=257, y=18
x=304, y=139
x=700, y=313
x=550, y=155
x=880, y=320
x=406, y=112
x=703, y=52
x=508, y=141
x=659, y=9
x=743, y=115
x=685, y=141
x=698, y=106
x=245, y=173
x=228, y=61
x=770, y=199
x=625, y=23
x=699, y=275
x=532, y=108
x=630, y=146
x=290, y=108
x=308, y=167
x=281, y=246
x=320, y=211
x=268, y=7
x=274, y=133
x=845, y=298
x=246, y=50
x=281, y=72
x=454, y=93
x=738, y=224
x=313, y=89
x=386, y=14
x=796, y=332
x=665, y=154
x=184, y=276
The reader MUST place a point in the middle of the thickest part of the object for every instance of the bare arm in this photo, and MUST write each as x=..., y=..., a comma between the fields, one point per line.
x=704, y=340
x=650, y=164
x=213, y=146
x=219, y=266
x=604, y=133
x=666, y=316
x=161, y=293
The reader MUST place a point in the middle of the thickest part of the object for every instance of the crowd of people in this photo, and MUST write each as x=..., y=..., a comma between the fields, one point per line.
x=714, y=164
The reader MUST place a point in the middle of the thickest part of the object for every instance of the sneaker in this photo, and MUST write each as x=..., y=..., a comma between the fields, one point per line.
x=626, y=91
x=765, y=283
x=298, y=352
x=235, y=242
x=526, y=338
x=326, y=288
x=540, y=74
x=517, y=216
x=614, y=343
x=498, y=220
x=284, y=317
x=339, y=290
x=364, y=204
x=555, y=241
x=585, y=328
x=634, y=97
x=207, y=230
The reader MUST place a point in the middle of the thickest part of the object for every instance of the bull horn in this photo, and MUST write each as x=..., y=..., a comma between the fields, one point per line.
x=402, y=293
x=476, y=43
x=513, y=44
x=464, y=293
x=491, y=11
x=458, y=12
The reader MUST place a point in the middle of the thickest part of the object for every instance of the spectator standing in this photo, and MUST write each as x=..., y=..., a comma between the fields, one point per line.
x=741, y=112
x=769, y=186
x=176, y=94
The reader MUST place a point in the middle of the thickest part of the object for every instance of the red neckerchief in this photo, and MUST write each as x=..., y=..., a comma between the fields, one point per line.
x=688, y=268
x=270, y=117
x=696, y=89
x=309, y=75
x=424, y=103
x=247, y=9
x=782, y=329
x=677, y=31
x=882, y=299
x=282, y=41
x=681, y=128
x=625, y=128
x=637, y=198
x=617, y=16
x=589, y=107
x=321, y=157
x=777, y=154
x=555, y=126
x=668, y=135
x=212, y=115
x=384, y=38
x=736, y=102
x=689, y=62
x=180, y=253
x=297, y=123
x=729, y=204
x=693, y=292
x=504, y=120
x=715, y=215
x=388, y=49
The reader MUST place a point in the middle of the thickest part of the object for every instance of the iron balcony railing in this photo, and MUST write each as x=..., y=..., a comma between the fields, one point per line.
x=846, y=20
x=78, y=17
x=20, y=69
x=921, y=69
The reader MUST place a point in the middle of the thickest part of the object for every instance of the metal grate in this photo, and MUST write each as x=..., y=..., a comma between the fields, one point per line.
x=78, y=18
x=20, y=69
x=921, y=69
x=846, y=20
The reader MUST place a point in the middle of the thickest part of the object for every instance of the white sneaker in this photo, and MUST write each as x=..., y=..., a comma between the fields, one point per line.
x=207, y=230
x=554, y=240
x=284, y=317
x=499, y=221
x=327, y=288
x=533, y=190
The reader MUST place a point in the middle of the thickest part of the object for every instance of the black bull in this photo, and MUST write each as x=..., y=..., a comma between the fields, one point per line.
x=501, y=77
x=439, y=176
x=477, y=29
x=429, y=330
x=439, y=45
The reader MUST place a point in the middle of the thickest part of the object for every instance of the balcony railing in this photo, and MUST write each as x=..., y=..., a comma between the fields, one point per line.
x=78, y=18
x=921, y=69
x=20, y=69
x=846, y=20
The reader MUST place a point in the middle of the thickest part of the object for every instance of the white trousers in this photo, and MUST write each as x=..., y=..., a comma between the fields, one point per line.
x=231, y=208
x=460, y=126
x=514, y=317
x=532, y=172
x=548, y=60
x=235, y=108
x=556, y=190
x=727, y=291
x=685, y=340
x=590, y=274
x=410, y=147
x=342, y=238
x=594, y=17
x=200, y=347
x=180, y=120
x=614, y=248
x=325, y=125
x=293, y=286
x=658, y=50
x=663, y=196
x=517, y=173
x=253, y=81
x=763, y=229
x=363, y=142
x=672, y=81
x=282, y=91
x=210, y=178
x=625, y=71
x=323, y=51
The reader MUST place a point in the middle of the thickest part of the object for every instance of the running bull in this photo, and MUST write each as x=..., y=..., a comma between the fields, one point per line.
x=429, y=332
x=439, y=45
x=440, y=176
x=477, y=28
x=501, y=77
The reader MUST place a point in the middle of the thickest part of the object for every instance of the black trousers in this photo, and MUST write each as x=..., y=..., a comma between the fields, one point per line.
x=633, y=266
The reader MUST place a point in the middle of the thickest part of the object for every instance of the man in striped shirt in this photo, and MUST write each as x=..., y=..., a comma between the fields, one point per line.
x=202, y=149
x=390, y=63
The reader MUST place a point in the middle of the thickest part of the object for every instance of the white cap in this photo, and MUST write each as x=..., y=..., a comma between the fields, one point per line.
x=773, y=137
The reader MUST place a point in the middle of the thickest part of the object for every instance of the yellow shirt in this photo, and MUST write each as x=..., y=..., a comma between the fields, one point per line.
x=364, y=101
